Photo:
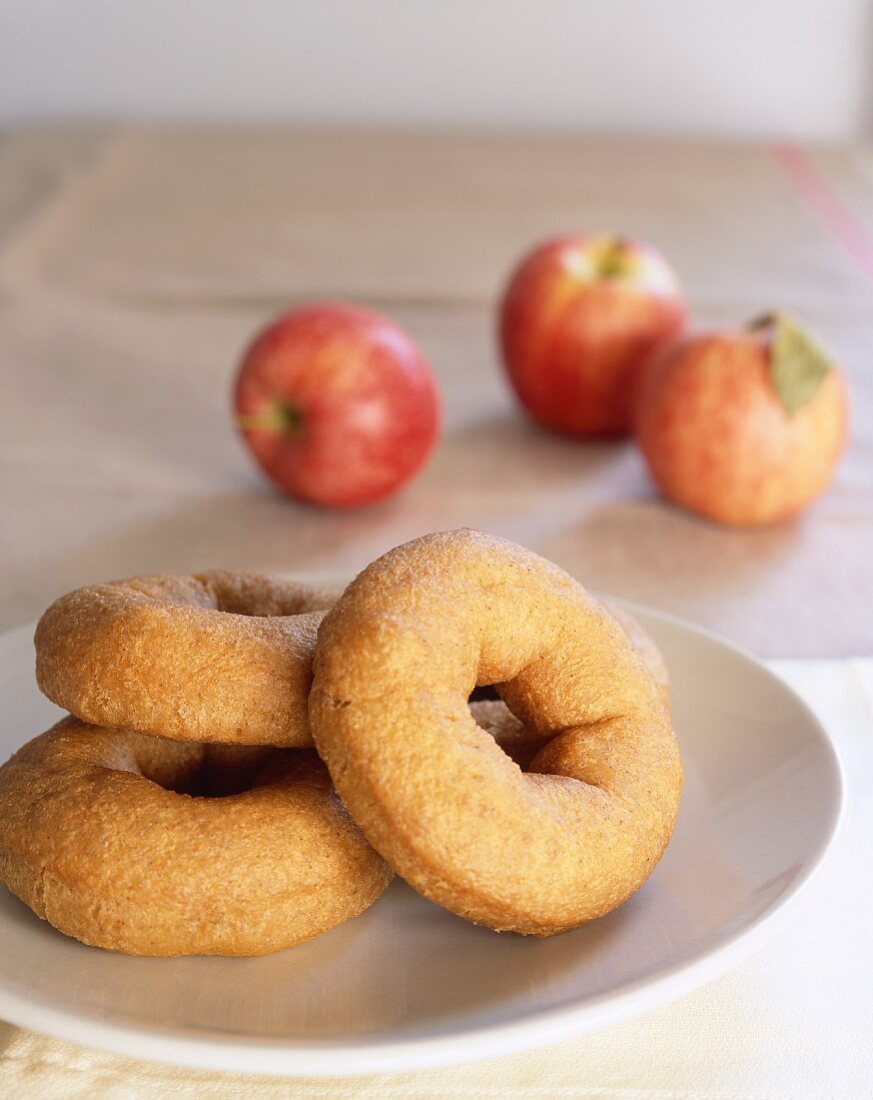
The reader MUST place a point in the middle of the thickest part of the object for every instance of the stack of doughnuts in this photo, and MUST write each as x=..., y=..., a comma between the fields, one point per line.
x=248, y=761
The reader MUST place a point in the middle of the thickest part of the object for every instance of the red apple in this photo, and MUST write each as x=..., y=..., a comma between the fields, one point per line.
x=579, y=319
x=337, y=404
x=744, y=427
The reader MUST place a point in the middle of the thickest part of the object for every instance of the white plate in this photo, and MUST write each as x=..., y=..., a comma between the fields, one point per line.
x=408, y=985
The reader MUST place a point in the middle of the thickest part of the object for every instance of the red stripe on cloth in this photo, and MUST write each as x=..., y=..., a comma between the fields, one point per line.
x=812, y=186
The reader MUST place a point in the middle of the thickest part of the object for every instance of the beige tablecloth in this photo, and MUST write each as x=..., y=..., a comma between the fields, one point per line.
x=134, y=266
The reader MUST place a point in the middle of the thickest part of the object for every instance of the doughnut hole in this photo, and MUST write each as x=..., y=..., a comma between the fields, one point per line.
x=188, y=768
x=493, y=716
x=253, y=595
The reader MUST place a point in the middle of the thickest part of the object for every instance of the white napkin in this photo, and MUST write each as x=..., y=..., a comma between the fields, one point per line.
x=795, y=1021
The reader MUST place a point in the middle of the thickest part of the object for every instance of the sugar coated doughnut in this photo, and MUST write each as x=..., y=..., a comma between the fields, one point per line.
x=537, y=851
x=99, y=837
x=645, y=646
x=216, y=656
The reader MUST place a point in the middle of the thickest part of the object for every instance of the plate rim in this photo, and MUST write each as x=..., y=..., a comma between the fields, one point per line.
x=358, y=1056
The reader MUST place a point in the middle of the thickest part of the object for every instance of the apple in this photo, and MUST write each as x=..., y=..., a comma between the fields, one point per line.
x=744, y=427
x=337, y=404
x=580, y=317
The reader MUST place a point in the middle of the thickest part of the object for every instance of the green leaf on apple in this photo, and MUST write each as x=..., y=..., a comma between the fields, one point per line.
x=798, y=363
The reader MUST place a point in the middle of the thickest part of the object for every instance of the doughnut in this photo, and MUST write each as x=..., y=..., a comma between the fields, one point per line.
x=645, y=646
x=213, y=657
x=535, y=852
x=113, y=838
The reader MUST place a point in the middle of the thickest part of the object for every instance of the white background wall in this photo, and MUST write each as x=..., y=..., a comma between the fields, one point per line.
x=763, y=67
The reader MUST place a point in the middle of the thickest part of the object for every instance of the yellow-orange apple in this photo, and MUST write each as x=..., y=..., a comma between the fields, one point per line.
x=580, y=317
x=744, y=427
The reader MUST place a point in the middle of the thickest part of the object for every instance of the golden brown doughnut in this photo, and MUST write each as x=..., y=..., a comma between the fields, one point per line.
x=97, y=839
x=216, y=656
x=534, y=852
x=645, y=645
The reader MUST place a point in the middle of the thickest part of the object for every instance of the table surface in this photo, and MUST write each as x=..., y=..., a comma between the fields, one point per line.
x=135, y=264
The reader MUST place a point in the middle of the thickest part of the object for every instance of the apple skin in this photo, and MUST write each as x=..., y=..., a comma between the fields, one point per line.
x=718, y=440
x=580, y=317
x=337, y=404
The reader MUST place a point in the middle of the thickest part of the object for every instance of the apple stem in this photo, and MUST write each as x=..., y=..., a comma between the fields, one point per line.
x=281, y=416
x=764, y=321
x=614, y=259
